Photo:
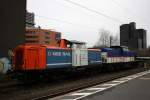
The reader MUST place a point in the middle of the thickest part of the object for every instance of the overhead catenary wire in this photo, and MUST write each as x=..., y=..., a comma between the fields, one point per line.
x=77, y=24
x=96, y=12
x=65, y=22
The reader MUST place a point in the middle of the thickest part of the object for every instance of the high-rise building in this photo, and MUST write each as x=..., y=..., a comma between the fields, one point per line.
x=12, y=27
x=132, y=37
x=30, y=19
x=140, y=34
x=42, y=36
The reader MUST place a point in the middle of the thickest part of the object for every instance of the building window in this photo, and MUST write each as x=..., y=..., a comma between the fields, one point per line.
x=58, y=36
x=33, y=32
x=47, y=33
x=47, y=37
x=30, y=32
x=31, y=36
x=47, y=42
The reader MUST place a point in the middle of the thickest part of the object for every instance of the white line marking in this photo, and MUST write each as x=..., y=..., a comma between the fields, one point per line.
x=81, y=94
x=107, y=84
x=125, y=79
x=68, y=99
x=132, y=76
x=96, y=89
x=118, y=81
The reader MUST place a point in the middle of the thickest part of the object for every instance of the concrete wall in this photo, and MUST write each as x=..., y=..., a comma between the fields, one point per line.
x=12, y=24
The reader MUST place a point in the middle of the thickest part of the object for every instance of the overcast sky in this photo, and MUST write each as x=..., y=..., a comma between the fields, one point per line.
x=77, y=23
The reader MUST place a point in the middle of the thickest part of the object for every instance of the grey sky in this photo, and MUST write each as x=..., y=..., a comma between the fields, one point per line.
x=76, y=23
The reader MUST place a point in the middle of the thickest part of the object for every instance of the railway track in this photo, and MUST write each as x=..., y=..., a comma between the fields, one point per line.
x=8, y=84
x=57, y=87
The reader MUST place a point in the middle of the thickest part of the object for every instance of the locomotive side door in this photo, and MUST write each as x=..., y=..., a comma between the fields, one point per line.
x=76, y=57
x=31, y=59
x=79, y=55
x=35, y=58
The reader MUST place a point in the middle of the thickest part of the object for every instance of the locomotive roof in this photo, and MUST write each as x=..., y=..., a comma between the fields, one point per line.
x=76, y=42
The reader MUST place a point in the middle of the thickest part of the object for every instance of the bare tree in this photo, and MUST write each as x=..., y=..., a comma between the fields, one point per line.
x=104, y=38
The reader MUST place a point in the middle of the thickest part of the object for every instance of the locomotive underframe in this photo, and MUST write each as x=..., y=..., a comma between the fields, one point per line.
x=31, y=75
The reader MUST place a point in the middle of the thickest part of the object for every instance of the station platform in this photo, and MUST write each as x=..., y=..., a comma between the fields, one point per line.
x=133, y=87
x=136, y=89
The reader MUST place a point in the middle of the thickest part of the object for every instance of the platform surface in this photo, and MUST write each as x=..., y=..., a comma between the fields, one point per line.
x=136, y=89
x=133, y=87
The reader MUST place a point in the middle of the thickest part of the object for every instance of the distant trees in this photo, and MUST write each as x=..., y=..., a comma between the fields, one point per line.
x=105, y=39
